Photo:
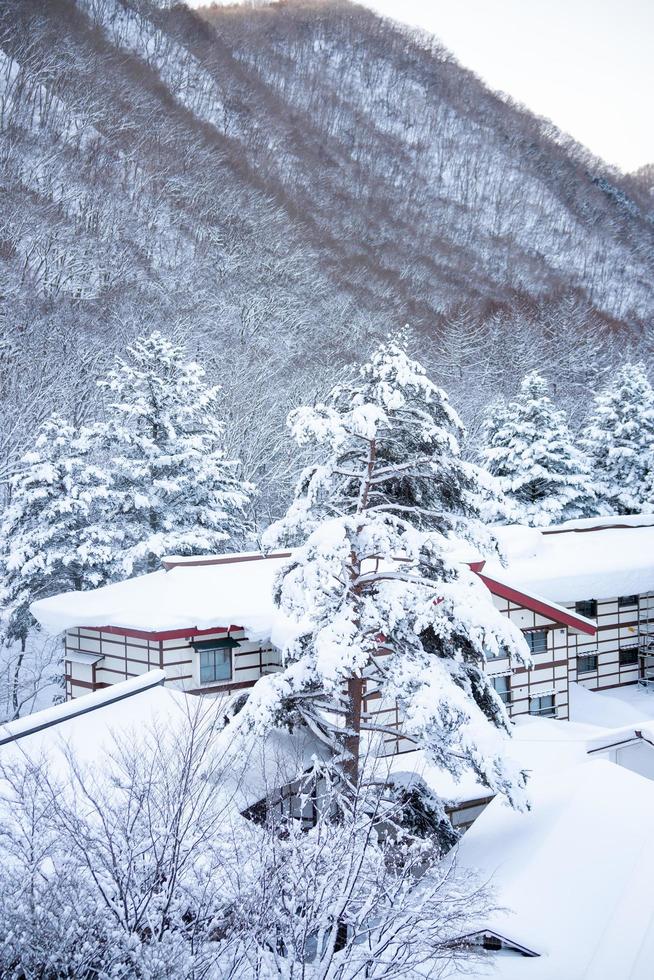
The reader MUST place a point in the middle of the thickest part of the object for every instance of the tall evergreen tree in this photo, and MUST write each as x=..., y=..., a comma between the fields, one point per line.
x=53, y=537
x=374, y=596
x=620, y=441
x=529, y=449
x=173, y=490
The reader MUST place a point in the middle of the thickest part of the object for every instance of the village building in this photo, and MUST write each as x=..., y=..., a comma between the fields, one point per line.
x=582, y=593
x=572, y=895
x=602, y=571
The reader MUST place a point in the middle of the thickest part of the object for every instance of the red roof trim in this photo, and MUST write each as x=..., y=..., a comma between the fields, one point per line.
x=160, y=634
x=555, y=613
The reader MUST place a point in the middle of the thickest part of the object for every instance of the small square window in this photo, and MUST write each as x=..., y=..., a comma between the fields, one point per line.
x=543, y=706
x=586, y=663
x=537, y=640
x=625, y=601
x=587, y=608
x=215, y=665
x=502, y=686
x=629, y=656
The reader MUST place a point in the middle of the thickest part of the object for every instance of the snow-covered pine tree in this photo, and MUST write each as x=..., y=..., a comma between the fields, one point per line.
x=173, y=489
x=620, y=441
x=529, y=449
x=52, y=531
x=375, y=596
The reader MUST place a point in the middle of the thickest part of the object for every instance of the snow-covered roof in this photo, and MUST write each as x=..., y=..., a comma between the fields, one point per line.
x=543, y=746
x=572, y=876
x=201, y=593
x=538, y=603
x=630, y=706
x=62, y=717
x=250, y=767
x=233, y=591
x=580, y=560
x=87, y=725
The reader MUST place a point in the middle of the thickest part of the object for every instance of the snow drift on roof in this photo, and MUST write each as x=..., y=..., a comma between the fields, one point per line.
x=248, y=767
x=577, y=564
x=538, y=745
x=185, y=597
x=576, y=887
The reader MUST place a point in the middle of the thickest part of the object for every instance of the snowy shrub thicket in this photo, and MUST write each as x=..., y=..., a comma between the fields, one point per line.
x=141, y=866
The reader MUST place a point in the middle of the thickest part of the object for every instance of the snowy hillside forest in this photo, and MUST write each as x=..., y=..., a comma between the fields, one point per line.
x=277, y=188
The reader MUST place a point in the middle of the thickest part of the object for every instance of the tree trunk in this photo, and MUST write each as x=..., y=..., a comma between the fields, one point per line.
x=353, y=723
x=14, y=686
x=355, y=684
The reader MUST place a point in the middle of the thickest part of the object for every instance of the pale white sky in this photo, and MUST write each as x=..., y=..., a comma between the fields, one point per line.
x=586, y=64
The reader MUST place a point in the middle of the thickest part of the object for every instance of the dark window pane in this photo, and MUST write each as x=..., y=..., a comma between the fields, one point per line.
x=628, y=656
x=586, y=663
x=587, y=608
x=627, y=600
x=543, y=705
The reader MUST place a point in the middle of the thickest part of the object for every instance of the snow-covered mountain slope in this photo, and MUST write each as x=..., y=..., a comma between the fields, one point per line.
x=280, y=186
x=311, y=151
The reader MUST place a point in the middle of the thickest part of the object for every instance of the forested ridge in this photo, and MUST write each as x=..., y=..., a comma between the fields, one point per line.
x=278, y=188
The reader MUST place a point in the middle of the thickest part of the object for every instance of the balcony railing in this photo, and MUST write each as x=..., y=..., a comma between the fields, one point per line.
x=646, y=657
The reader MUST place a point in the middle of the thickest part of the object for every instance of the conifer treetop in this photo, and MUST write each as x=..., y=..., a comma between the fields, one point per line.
x=392, y=418
x=529, y=449
x=620, y=441
x=172, y=485
x=53, y=539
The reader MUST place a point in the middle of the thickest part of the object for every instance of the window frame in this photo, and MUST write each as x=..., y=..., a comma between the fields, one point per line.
x=504, y=696
x=213, y=666
x=548, y=712
x=630, y=652
x=587, y=656
x=223, y=645
x=540, y=631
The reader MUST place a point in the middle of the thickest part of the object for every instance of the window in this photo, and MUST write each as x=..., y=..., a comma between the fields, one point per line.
x=537, y=640
x=215, y=659
x=543, y=705
x=502, y=686
x=500, y=655
x=587, y=608
x=627, y=600
x=629, y=656
x=215, y=665
x=586, y=662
